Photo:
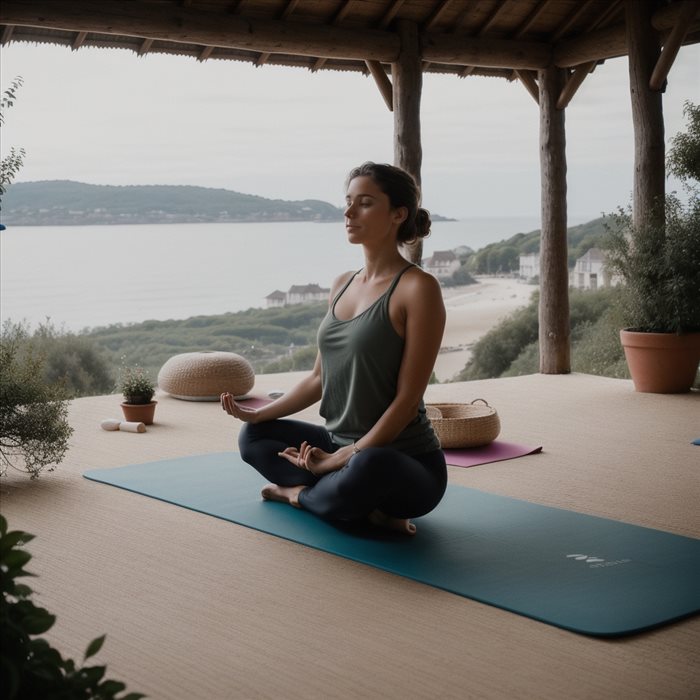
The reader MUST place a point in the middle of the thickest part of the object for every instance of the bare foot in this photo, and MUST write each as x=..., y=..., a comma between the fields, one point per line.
x=282, y=494
x=403, y=525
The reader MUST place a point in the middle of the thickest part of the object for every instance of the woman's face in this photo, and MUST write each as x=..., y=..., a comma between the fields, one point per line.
x=369, y=216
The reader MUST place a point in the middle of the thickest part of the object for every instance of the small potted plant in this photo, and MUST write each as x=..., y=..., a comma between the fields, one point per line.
x=138, y=390
x=658, y=264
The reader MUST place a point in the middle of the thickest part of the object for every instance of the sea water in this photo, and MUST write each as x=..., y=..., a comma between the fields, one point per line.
x=89, y=276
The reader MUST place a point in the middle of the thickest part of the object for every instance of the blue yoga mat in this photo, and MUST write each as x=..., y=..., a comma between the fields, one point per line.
x=579, y=572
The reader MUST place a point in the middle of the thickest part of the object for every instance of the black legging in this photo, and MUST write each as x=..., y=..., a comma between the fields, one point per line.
x=382, y=478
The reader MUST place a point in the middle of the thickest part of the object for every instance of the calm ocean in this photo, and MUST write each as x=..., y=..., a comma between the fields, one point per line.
x=89, y=276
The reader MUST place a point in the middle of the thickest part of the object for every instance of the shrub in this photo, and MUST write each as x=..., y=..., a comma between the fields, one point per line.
x=34, y=430
x=74, y=361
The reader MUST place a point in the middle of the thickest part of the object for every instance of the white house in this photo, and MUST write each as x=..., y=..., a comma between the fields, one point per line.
x=529, y=266
x=297, y=294
x=442, y=263
x=590, y=273
x=277, y=298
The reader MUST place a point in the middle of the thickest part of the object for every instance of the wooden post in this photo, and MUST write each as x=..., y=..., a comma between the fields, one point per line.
x=555, y=352
x=647, y=115
x=407, y=79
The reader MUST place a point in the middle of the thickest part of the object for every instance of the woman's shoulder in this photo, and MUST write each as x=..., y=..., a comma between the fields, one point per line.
x=417, y=279
x=340, y=281
x=418, y=287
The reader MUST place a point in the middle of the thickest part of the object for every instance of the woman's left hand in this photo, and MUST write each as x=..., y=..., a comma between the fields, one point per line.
x=312, y=459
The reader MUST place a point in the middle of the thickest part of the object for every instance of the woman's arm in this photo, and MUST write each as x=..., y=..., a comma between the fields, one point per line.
x=304, y=394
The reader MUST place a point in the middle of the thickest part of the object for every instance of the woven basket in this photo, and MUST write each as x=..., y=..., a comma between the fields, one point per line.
x=464, y=424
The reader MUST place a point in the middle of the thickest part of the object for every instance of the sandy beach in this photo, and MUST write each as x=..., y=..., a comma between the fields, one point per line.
x=471, y=312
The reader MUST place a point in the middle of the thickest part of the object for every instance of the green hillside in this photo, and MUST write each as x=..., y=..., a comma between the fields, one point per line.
x=504, y=255
x=64, y=202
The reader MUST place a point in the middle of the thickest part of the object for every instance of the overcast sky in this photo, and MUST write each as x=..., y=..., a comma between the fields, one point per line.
x=110, y=117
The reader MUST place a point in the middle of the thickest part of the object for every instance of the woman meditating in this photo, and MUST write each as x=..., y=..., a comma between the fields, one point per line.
x=377, y=455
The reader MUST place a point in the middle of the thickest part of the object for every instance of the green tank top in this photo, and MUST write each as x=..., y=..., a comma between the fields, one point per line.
x=360, y=360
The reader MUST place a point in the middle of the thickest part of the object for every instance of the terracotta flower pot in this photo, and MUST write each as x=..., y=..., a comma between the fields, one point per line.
x=139, y=412
x=661, y=363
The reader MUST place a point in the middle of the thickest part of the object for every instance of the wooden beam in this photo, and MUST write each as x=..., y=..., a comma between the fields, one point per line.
x=145, y=46
x=390, y=14
x=205, y=53
x=614, y=6
x=666, y=18
x=574, y=82
x=408, y=85
x=436, y=14
x=485, y=53
x=78, y=41
x=554, y=325
x=288, y=9
x=383, y=83
x=530, y=19
x=7, y=34
x=561, y=30
x=647, y=116
x=183, y=25
x=610, y=42
x=673, y=44
x=527, y=78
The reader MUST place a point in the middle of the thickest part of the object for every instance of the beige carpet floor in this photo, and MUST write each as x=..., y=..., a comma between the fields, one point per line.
x=194, y=607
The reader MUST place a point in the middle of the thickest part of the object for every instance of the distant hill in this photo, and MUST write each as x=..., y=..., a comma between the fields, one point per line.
x=65, y=202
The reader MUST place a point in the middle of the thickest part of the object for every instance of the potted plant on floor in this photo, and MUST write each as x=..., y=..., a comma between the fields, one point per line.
x=658, y=265
x=138, y=390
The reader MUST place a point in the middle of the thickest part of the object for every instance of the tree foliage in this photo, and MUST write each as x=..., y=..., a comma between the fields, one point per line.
x=75, y=361
x=684, y=155
x=34, y=430
x=511, y=348
x=11, y=163
x=504, y=256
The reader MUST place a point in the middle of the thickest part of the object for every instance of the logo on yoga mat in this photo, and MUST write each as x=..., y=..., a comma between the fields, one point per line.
x=596, y=562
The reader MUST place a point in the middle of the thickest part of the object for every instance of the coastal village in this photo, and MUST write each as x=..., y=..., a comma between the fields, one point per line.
x=589, y=272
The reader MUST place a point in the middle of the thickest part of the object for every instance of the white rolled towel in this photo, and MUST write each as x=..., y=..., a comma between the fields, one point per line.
x=132, y=427
x=126, y=426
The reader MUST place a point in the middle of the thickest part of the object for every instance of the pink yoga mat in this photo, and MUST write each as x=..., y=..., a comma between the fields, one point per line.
x=495, y=452
x=254, y=401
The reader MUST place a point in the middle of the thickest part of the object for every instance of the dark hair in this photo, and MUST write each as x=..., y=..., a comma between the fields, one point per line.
x=402, y=191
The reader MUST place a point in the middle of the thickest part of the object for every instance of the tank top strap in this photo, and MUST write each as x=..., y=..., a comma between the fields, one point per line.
x=392, y=286
x=345, y=286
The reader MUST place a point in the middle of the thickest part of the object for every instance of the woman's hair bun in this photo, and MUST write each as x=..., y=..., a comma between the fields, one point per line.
x=423, y=223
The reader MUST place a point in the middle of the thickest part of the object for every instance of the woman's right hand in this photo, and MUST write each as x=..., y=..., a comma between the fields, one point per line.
x=247, y=415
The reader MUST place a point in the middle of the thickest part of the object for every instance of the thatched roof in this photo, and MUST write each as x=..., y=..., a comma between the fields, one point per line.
x=461, y=37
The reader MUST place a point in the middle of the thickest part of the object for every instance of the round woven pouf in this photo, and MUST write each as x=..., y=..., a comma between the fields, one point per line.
x=204, y=376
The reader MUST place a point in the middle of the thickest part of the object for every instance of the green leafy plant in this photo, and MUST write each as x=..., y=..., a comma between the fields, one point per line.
x=658, y=260
x=34, y=429
x=31, y=667
x=659, y=267
x=136, y=385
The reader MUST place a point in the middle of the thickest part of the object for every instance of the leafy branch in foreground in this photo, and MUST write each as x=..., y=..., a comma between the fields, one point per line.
x=10, y=165
x=31, y=667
